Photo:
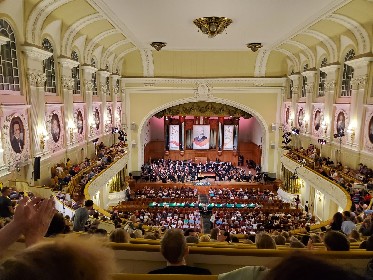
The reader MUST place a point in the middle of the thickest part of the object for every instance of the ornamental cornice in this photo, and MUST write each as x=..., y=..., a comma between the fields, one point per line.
x=3, y=40
x=360, y=81
x=88, y=68
x=36, y=53
x=330, y=86
x=68, y=62
x=36, y=79
x=309, y=73
x=103, y=73
x=330, y=68
x=309, y=87
x=115, y=76
x=67, y=83
x=359, y=62
x=211, y=81
x=295, y=77
x=104, y=89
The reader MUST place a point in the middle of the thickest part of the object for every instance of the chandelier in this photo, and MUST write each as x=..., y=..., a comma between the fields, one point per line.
x=158, y=45
x=212, y=26
x=254, y=46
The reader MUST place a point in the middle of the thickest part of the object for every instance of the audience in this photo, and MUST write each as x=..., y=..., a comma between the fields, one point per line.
x=336, y=241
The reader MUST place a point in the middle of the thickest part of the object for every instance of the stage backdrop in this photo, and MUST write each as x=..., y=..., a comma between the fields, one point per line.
x=228, y=137
x=174, y=137
x=201, y=137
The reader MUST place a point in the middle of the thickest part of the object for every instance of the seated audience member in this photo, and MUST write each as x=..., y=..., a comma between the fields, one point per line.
x=347, y=226
x=56, y=226
x=336, y=241
x=205, y=238
x=264, y=241
x=297, y=244
x=191, y=239
x=309, y=268
x=81, y=216
x=214, y=234
x=60, y=259
x=174, y=249
x=337, y=221
x=119, y=235
x=369, y=243
x=280, y=240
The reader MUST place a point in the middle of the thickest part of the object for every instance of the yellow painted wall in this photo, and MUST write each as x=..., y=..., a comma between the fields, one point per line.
x=132, y=65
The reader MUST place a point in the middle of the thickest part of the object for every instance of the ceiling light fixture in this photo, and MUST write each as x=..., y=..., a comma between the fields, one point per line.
x=212, y=26
x=254, y=46
x=158, y=45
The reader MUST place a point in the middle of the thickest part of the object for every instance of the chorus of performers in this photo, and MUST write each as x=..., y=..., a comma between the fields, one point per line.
x=187, y=171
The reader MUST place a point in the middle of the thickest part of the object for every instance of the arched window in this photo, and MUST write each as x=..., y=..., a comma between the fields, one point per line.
x=93, y=79
x=107, y=86
x=348, y=74
x=9, y=73
x=48, y=68
x=322, y=78
x=75, y=73
x=304, y=82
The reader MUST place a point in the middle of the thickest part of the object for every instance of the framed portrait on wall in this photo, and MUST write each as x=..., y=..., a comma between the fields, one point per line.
x=16, y=135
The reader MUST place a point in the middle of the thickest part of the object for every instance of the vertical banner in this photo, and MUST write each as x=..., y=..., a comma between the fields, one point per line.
x=228, y=137
x=201, y=137
x=174, y=137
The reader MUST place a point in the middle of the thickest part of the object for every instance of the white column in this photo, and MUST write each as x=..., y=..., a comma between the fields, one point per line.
x=103, y=91
x=87, y=94
x=68, y=85
x=358, y=97
x=114, y=96
x=297, y=87
x=310, y=95
x=36, y=79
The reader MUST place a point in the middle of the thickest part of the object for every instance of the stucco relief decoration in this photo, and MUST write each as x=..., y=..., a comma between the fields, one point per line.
x=96, y=126
x=109, y=121
x=15, y=132
x=341, y=121
x=300, y=119
x=368, y=130
x=118, y=116
x=318, y=124
x=37, y=79
x=55, y=128
x=79, y=122
x=203, y=91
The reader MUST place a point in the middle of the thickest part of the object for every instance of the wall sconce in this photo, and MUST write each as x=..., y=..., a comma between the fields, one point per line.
x=351, y=130
x=71, y=129
x=91, y=124
x=324, y=126
x=44, y=137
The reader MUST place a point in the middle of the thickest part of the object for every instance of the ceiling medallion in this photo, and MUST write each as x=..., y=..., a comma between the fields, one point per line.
x=158, y=45
x=254, y=46
x=212, y=26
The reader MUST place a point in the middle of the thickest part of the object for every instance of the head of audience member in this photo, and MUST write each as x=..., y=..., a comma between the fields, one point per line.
x=205, y=238
x=296, y=244
x=81, y=259
x=369, y=243
x=5, y=191
x=214, y=233
x=264, y=241
x=336, y=241
x=304, y=239
x=316, y=238
x=150, y=235
x=297, y=264
x=88, y=204
x=355, y=235
x=119, y=235
x=235, y=239
x=190, y=232
x=137, y=233
x=337, y=220
x=280, y=240
x=57, y=225
x=191, y=239
x=174, y=247
x=347, y=215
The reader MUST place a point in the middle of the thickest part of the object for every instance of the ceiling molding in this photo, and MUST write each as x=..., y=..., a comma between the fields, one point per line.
x=329, y=43
x=102, y=8
x=311, y=56
x=37, y=17
x=147, y=62
x=261, y=62
x=328, y=10
x=124, y=53
x=74, y=29
x=359, y=32
x=291, y=57
x=112, y=48
x=91, y=45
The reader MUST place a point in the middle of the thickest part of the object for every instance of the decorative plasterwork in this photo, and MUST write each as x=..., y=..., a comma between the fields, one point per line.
x=88, y=68
x=37, y=17
x=88, y=85
x=112, y=48
x=359, y=82
x=329, y=43
x=119, y=59
x=68, y=62
x=330, y=86
x=67, y=83
x=91, y=45
x=203, y=91
x=292, y=57
x=103, y=73
x=304, y=48
x=3, y=40
x=330, y=68
x=310, y=74
x=36, y=79
x=74, y=29
x=359, y=32
x=359, y=62
x=261, y=62
x=147, y=62
x=212, y=81
x=36, y=53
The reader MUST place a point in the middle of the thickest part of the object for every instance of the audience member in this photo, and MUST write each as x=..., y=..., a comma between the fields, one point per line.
x=336, y=241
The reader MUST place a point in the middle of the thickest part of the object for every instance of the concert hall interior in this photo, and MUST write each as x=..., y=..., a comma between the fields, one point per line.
x=245, y=124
